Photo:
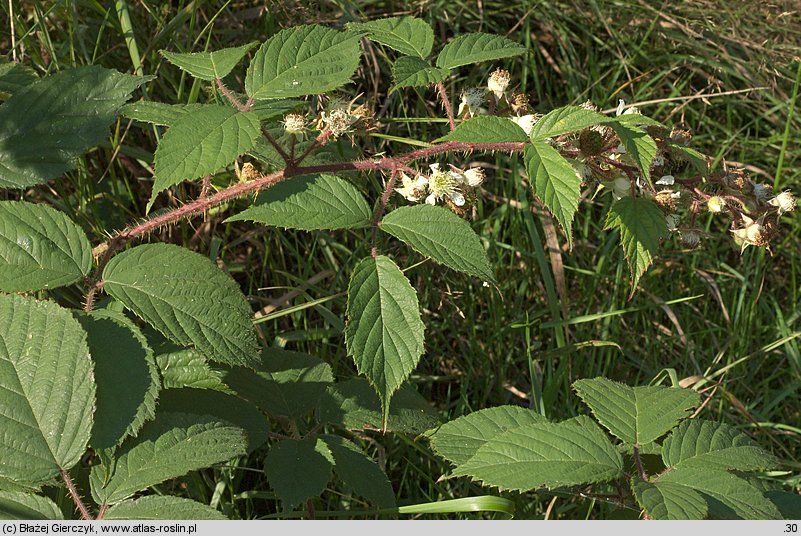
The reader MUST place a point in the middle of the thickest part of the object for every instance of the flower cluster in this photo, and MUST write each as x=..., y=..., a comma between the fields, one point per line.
x=449, y=186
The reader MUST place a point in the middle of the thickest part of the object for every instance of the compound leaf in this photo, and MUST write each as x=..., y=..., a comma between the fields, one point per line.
x=162, y=507
x=127, y=377
x=298, y=470
x=47, y=390
x=359, y=472
x=667, y=500
x=201, y=142
x=486, y=129
x=727, y=496
x=15, y=505
x=555, y=182
x=303, y=60
x=40, y=248
x=457, y=441
x=187, y=368
x=169, y=446
x=288, y=384
x=310, y=202
x=384, y=333
x=158, y=113
x=408, y=35
x=701, y=444
x=566, y=119
x=636, y=415
x=639, y=145
x=442, y=235
x=50, y=123
x=410, y=71
x=209, y=65
x=641, y=225
x=187, y=298
x=545, y=454
x=475, y=48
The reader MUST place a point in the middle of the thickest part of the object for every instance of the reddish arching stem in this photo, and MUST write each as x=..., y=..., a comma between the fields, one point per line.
x=379, y=211
x=446, y=102
x=232, y=99
x=74, y=495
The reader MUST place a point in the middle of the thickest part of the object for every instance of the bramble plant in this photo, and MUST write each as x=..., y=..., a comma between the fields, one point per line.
x=165, y=375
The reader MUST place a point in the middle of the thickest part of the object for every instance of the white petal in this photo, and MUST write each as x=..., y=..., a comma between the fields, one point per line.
x=667, y=180
x=620, y=105
x=457, y=198
x=431, y=199
x=434, y=168
x=421, y=182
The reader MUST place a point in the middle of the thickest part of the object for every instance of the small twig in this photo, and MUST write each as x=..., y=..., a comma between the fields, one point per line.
x=102, y=513
x=76, y=497
x=269, y=137
x=292, y=149
x=231, y=98
x=640, y=469
x=319, y=141
x=379, y=211
x=446, y=102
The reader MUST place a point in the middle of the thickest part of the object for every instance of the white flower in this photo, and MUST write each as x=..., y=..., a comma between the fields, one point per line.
x=294, y=123
x=498, y=82
x=750, y=235
x=338, y=122
x=444, y=184
x=526, y=122
x=666, y=180
x=472, y=99
x=473, y=176
x=412, y=189
x=785, y=202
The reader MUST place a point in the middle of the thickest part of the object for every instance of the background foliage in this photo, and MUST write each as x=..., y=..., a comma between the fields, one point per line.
x=726, y=70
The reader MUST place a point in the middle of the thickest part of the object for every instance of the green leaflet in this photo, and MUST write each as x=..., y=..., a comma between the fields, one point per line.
x=168, y=447
x=354, y=405
x=17, y=505
x=187, y=368
x=555, y=182
x=310, y=202
x=162, y=507
x=486, y=129
x=223, y=406
x=701, y=444
x=60, y=116
x=636, y=415
x=298, y=470
x=408, y=35
x=303, y=60
x=475, y=48
x=667, y=500
x=359, y=472
x=410, y=71
x=545, y=454
x=640, y=146
x=458, y=440
x=158, y=113
x=288, y=384
x=40, y=248
x=187, y=298
x=15, y=76
x=201, y=142
x=47, y=390
x=126, y=374
x=384, y=333
x=439, y=233
x=642, y=225
x=567, y=119
x=209, y=65
x=727, y=496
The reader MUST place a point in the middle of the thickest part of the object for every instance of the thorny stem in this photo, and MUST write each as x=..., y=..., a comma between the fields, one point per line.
x=102, y=512
x=446, y=102
x=76, y=497
x=379, y=211
x=640, y=469
x=232, y=99
x=277, y=146
x=319, y=141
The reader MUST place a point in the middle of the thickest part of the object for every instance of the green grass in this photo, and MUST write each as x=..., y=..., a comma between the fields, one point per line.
x=727, y=70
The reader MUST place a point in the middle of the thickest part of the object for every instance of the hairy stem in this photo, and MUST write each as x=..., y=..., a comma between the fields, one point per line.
x=379, y=211
x=280, y=150
x=74, y=495
x=446, y=102
x=640, y=469
x=231, y=98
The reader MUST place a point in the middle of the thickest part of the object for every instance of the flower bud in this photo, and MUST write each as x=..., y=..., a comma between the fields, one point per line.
x=690, y=238
x=716, y=204
x=474, y=176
